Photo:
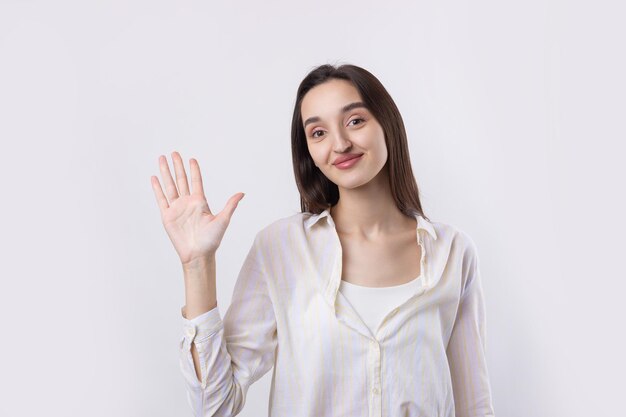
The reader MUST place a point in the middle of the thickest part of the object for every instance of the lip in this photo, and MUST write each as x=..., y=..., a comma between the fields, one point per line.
x=348, y=162
x=346, y=158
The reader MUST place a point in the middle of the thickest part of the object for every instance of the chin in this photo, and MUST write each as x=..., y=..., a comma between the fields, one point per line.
x=353, y=183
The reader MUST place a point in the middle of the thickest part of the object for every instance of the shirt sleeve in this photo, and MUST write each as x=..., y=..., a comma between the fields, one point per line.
x=466, y=348
x=233, y=352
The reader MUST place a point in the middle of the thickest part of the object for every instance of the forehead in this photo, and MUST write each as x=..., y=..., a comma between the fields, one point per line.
x=328, y=98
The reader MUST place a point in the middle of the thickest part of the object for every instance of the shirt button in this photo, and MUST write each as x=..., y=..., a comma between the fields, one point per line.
x=375, y=391
x=191, y=331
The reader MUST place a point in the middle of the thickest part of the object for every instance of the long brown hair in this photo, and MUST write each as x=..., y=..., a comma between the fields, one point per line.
x=317, y=192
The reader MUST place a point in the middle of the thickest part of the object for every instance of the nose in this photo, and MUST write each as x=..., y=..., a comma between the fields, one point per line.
x=341, y=143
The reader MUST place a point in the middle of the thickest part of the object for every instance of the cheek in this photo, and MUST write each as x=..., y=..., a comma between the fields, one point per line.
x=383, y=148
x=381, y=142
x=318, y=154
x=315, y=157
x=376, y=141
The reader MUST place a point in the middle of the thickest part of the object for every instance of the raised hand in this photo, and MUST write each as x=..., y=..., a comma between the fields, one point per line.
x=195, y=232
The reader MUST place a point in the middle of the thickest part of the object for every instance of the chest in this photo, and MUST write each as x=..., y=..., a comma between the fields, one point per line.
x=394, y=261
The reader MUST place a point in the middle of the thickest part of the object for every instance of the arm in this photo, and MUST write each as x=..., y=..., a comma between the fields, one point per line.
x=232, y=353
x=200, y=296
x=466, y=348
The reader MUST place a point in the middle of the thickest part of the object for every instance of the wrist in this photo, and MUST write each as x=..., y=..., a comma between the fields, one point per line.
x=199, y=263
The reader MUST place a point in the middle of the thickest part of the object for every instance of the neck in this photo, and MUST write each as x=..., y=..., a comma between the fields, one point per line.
x=369, y=211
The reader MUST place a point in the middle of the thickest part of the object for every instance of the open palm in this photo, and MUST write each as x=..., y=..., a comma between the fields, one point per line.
x=194, y=231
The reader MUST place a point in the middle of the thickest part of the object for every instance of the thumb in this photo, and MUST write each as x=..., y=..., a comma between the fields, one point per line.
x=230, y=206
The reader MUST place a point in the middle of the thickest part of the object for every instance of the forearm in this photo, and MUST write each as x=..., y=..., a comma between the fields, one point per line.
x=200, y=294
x=200, y=287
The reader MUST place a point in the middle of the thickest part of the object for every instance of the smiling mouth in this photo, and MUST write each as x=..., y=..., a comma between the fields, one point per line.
x=349, y=159
x=348, y=163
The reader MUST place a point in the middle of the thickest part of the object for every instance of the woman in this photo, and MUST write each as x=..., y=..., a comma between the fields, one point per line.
x=363, y=306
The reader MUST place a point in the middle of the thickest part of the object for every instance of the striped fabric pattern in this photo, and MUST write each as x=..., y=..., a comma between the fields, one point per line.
x=427, y=358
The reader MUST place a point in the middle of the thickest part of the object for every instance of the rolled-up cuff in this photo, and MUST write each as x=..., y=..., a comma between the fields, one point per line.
x=202, y=326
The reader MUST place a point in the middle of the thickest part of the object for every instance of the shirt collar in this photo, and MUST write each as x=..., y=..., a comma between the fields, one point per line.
x=422, y=223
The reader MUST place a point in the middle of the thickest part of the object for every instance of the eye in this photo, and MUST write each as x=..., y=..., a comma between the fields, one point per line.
x=358, y=118
x=314, y=132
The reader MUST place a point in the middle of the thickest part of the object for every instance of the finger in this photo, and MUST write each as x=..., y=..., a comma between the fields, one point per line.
x=170, y=187
x=158, y=193
x=196, y=177
x=230, y=206
x=196, y=180
x=181, y=175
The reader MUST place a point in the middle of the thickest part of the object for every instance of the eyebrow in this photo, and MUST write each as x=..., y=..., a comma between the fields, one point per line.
x=344, y=109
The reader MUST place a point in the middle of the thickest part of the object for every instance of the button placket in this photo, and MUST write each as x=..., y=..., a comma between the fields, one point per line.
x=375, y=374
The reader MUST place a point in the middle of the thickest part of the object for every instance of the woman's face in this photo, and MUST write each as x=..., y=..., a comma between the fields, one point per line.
x=333, y=133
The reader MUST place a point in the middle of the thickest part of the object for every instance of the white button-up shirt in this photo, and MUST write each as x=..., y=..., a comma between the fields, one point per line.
x=427, y=358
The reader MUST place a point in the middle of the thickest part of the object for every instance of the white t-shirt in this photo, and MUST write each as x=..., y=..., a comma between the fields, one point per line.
x=372, y=304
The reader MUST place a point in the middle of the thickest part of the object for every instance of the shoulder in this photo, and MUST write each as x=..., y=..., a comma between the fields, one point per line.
x=457, y=249
x=455, y=238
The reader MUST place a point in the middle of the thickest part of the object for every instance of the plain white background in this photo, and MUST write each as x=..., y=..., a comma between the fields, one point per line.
x=515, y=118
